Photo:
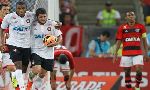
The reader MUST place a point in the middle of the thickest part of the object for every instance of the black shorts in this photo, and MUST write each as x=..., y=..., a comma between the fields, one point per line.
x=46, y=64
x=20, y=54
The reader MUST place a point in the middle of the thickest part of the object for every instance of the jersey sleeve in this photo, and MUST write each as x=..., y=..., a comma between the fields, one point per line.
x=5, y=22
x=57, y=32
x=70, y=59
x=119, y=33
x=143, y=31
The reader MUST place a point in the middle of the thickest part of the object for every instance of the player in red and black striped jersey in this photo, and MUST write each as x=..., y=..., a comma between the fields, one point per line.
x=131, y=34
x=64, y=63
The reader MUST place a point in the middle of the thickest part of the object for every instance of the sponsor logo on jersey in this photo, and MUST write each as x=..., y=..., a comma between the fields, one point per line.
x=39, y=35
x=132, y=39
x=28, y=20
x=49, y=28
x=21, y=28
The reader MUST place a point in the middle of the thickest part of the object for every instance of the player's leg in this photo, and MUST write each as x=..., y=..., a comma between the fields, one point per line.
x=53, y=80
x=128, y=81
x=126, y=63
x=7, y=62
x=16, y=57
x=26, y=54
x=47, y=65
x=53, y=75
x=36, y=69
x=65, y=69
x=138, y=62
x=9, y=66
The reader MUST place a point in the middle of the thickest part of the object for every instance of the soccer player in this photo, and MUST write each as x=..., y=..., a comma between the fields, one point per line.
x=19, y=24
x=4, y=9
x=42, y=56
x=64, y=62
x=131, y=34
x=6, y=63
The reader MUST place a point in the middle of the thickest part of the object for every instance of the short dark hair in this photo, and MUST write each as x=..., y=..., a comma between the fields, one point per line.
x=3, y=5
x=105, y=33
x=40, y=11
x=62, y=59
x=108, y=3
x=21, y=3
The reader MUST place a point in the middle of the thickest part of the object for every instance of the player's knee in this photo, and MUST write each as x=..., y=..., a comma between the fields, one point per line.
x=11, y=68
x=66, y=77
x=18, y=64
x=36, y=69
x=42, y=75
x=138, y=73
x=138, y=69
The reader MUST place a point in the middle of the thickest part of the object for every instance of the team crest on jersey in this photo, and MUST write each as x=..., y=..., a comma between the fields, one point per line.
x=28, y=20
x=49, y=28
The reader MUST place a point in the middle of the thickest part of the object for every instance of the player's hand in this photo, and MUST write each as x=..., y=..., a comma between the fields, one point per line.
x=68, y=85
x=115, y=58
x=0, y=67
x=4, y=48
x=53, y=85
x=6, y=35
x=146, y=58
x=52, y=44
x=58, y=25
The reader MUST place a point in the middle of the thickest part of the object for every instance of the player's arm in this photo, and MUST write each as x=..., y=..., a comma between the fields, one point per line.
x=144, y=43
x=4, y=26
x=118, y=43
x=118, y=39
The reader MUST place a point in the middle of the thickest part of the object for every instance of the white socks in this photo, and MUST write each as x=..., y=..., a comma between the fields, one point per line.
x=19, y=76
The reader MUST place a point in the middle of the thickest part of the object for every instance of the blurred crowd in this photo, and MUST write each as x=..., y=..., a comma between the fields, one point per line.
x=107, y=17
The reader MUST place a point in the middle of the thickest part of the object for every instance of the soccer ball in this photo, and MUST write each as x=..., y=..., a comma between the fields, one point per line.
x=49, y=39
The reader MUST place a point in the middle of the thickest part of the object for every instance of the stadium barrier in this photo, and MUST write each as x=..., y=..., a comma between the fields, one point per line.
x=98, y=73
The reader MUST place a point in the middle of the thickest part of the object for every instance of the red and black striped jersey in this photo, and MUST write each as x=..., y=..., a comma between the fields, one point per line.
x=63, y=50
x=131, y=38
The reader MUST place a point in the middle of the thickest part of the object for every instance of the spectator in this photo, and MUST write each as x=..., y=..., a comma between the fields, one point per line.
x=67, y=19
x=5, y=2
x=99, y=47
x=4, y=9
x=67, y=6
x=146, y=8
x=148, y=42
x=108, y=17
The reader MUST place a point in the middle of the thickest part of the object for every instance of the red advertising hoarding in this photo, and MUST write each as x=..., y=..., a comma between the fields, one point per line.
x=105, y=67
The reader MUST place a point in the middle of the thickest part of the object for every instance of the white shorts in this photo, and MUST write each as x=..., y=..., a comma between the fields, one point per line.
x=61, y=67
x=128, y=61
x=5, y=57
